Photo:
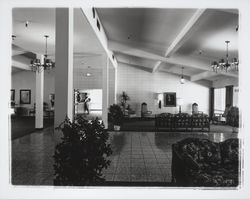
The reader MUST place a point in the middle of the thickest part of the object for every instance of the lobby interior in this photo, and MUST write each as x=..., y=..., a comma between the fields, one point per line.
x=147, y=53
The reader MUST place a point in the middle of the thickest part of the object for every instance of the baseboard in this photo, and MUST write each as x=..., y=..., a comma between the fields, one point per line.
x=39, y=129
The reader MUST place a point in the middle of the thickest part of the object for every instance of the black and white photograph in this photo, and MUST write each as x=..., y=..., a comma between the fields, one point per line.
x=170, y=99
x=12, y=95
x=128, y=97
x=25, y=96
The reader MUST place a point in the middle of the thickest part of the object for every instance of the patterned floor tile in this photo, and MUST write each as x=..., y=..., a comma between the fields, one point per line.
x=138, y=164
x=122, y=178
x=143, y=156
x=155, y=178
x=109, y=177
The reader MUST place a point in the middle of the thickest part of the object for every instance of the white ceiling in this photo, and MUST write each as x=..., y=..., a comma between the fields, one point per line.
x=214, y=29
x=148, y=30
x=154, y=30
x=87, y=48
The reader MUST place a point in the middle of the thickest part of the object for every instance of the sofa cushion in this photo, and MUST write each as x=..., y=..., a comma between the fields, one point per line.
x=209, y=153
x=201, y=162
x=215, y=177
x=165, y=115
x=189, y=149
x=200, y=153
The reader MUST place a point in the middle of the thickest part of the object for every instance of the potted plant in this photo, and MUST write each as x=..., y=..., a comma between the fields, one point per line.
x=116, y=116
x=82, y=154
x=124, y=99
x=233, y=118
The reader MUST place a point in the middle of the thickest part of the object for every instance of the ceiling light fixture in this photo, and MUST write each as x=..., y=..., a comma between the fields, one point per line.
x=88, y=74
x=13, y=37
x=182, y=81
x=237, y=28
x=27, y=24
x=47, y=64
x=225, y=65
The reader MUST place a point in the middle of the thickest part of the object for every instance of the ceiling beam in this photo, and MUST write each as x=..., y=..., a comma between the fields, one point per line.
x=188, y=62
x=181, y=37
x=135, y=66
x=232, y=11
x=16, y=50
x=156, y=66
x=186, y=77
x=206, y=74
x=20, y=65
x=21, y=62
x=202, y=75
x=183, y=61
x=100, y=34
x=133, y=51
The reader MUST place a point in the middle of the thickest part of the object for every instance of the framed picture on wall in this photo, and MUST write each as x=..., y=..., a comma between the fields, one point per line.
x=52, y=99
x=25, y=96
x=170, y=99
x=12, y=95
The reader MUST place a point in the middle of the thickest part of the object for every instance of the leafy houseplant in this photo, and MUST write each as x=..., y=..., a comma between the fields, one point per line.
x=233, y=117
x=124, y=99
x=116, y=116
x=82, y=154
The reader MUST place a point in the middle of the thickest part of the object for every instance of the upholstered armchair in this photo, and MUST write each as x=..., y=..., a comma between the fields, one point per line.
x=144, y=110
x=203, y=163
x=164, y=120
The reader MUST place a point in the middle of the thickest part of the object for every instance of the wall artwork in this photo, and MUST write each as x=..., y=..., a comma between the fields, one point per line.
x=52, y=99
x=25, y=96
x=170, y=99
x=12, y=95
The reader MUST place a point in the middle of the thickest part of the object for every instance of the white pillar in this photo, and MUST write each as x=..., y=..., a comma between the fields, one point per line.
x=115, y=84
x=105, y=90
x=39, y=96
x=64, y=65
x=111, y=84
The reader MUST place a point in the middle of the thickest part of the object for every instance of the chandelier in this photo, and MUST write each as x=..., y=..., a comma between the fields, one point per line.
x=47, y=64
x=225, y=65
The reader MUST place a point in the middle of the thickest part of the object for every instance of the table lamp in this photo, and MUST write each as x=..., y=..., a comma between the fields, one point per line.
x=180, y=102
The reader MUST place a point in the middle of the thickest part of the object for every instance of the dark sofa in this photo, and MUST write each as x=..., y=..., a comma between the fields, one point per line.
x=175, y=122
x=203, y=163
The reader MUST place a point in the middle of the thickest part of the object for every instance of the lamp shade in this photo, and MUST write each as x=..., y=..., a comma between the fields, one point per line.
x=182, y=81
x=160, y=96
x=180, y=101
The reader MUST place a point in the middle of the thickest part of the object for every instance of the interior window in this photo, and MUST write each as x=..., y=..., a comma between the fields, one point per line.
x=219, y=100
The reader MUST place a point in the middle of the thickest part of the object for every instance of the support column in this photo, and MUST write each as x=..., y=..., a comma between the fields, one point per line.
x=211, y=103
x=39, y=96
x=64, y=65
x=111, y=84
x=115, y=85
x=105, y=90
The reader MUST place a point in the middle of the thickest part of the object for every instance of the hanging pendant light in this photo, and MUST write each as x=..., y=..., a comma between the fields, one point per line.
x=37, y=65
x=88, y=74
x=225, y=64
x=182, y=81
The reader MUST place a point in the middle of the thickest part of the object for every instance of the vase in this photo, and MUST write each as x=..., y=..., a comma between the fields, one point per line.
x=117, y=128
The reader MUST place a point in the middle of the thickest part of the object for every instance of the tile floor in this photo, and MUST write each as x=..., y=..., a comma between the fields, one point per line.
x=137, y=156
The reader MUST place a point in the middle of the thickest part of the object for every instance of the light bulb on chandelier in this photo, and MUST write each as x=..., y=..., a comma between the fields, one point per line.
x=225, y=65
x=45, y=64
